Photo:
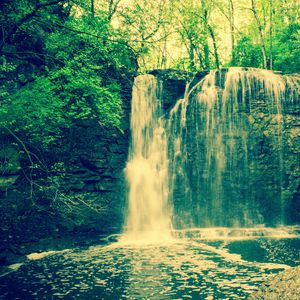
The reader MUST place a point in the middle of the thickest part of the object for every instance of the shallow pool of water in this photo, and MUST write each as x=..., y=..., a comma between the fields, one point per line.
x=185, y=268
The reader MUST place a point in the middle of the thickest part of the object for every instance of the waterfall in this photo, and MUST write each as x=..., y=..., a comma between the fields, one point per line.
x=217, y=131
x=147, y=167
x=217, y=155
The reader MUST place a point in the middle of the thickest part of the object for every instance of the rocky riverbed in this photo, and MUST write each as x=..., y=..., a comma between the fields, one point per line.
x=285, y=285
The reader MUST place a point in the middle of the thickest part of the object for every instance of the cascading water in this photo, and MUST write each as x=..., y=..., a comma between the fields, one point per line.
x=215, y=149
x=218, y=154
x=147, y=167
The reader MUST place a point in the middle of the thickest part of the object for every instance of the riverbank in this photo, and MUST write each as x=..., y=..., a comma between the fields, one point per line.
x=285, y=285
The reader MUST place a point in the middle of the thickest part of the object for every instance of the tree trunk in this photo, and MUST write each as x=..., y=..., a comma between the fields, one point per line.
x=260, y=32
x=211, y=33
x=271, y=35
x=206, y=55
x=92, y=8
x=200, y=58
x=112, y=8
x=232, y=33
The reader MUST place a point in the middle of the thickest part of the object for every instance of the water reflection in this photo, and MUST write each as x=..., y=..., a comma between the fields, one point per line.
x=179, y=269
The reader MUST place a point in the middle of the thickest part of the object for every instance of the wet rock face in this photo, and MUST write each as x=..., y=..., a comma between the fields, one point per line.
x=90, y=197
x=276, y=167
x=239, y=153
x=96, y=171
x=275, y=154
x=173, y=84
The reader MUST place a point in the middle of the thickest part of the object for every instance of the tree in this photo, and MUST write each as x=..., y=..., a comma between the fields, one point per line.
x=232, y=28
x=143, y=30
x=198, y=35
x=271, y=35
x=23, y=18
x=205, y=18
x=61, y=67
x=92, y=8
x=260, y=32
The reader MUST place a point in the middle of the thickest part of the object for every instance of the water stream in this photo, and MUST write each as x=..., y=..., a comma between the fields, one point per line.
x=198, y=265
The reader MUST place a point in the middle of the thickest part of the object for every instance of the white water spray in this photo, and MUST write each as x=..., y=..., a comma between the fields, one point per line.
x=147, y=167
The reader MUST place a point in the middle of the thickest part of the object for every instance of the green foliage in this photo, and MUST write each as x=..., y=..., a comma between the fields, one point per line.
x=43, y=108
x=81, y=81
x=85, y=97
x=247, y=54
x=34, y=109
x=60, y=71
x=287, y=49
